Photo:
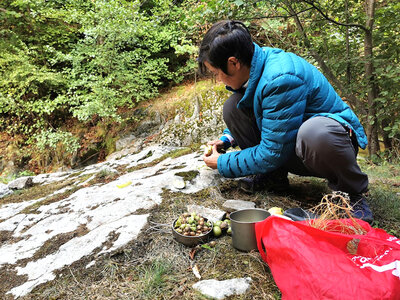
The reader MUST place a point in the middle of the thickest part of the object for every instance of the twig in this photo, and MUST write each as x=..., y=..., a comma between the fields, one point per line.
x=333, y=207
x=73, y=276
x=159, y=224
x=310, y=2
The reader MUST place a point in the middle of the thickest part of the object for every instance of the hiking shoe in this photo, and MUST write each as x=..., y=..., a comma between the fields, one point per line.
x=361, y=209
x=274, y=181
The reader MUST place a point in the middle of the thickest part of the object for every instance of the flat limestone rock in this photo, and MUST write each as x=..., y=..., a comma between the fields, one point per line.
x=225, y=288
x=4, y=190
x=234, y=205
x=104, y=214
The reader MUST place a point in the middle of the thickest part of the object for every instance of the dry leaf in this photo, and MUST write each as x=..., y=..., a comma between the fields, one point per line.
x=193, y=252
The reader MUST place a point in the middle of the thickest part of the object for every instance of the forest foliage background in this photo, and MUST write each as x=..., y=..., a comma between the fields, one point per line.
x=70, y=65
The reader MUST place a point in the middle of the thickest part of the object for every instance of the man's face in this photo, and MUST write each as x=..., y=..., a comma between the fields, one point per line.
x=237, y=75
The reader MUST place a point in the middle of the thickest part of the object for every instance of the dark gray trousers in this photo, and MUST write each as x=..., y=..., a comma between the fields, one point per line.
x=324, y=148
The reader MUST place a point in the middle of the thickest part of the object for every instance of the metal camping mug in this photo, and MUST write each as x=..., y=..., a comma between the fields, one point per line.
x=243, y=229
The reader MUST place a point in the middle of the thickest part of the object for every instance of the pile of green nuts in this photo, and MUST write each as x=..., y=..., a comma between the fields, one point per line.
x=191, y=224
x=221, y=226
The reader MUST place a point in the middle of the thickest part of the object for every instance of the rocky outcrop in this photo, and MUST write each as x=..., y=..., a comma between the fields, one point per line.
x=99, y=218
x=203, y=125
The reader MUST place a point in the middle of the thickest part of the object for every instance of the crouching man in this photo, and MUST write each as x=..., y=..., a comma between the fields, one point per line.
x=285, y=117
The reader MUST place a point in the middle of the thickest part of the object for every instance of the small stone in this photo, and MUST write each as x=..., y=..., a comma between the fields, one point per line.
x=211, y=214
x=225, y=288
x=179, y=183
x=233, y=205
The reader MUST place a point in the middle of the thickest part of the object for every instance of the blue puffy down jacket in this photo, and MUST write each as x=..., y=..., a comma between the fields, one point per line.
x=284, y=91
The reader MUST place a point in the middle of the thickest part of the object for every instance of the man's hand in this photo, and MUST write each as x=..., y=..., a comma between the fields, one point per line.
x=211, y=160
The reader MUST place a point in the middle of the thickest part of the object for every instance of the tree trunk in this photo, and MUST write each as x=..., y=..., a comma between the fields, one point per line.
x=349, y=97
x=372, y=127
x=387, y=141
x=348, y=64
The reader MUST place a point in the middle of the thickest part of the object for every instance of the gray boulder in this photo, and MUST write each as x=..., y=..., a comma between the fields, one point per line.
x=21, y=183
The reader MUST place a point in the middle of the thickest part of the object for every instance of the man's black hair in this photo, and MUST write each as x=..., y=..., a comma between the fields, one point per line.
x=225, y=39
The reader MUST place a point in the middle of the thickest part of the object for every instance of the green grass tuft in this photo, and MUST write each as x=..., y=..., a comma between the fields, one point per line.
x=154, y=278
x=385, y=203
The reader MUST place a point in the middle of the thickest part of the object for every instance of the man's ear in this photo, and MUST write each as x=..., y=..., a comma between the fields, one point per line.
x=234, y=62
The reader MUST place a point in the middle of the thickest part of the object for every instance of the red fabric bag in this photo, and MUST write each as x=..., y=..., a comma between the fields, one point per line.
x=309, y=263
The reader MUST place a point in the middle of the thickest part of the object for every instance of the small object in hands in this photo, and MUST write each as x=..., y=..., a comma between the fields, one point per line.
x=275, y=211
x=120, y=186
x=209, y=150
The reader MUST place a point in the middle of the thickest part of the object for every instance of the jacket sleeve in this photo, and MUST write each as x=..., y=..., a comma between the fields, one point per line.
x=228, y=139
x=282, y=107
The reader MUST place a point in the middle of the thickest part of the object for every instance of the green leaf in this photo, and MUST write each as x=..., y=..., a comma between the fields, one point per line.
x=205, y=246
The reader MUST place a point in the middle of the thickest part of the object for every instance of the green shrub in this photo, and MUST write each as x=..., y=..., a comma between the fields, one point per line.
x=53, y=147
x=85, y=59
